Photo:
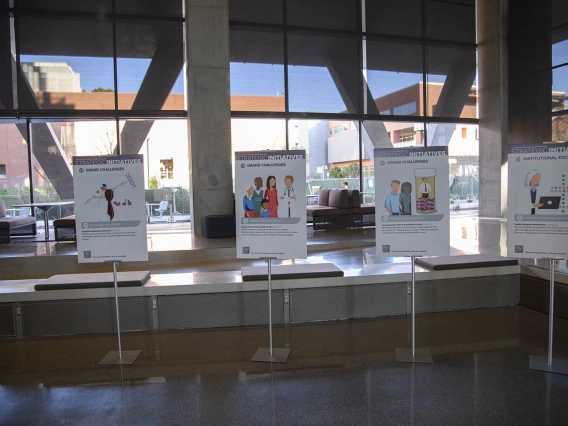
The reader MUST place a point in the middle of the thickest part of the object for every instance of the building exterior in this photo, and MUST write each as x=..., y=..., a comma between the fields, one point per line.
x=51, y=77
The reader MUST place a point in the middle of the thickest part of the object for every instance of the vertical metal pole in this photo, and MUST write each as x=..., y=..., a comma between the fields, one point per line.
x=551, y=312
x=413, y=309
x=117, y=313
x=29, y=137
x=270, y=302
x=148, y=160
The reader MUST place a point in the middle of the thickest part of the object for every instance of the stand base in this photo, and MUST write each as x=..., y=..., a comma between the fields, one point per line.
x=112, y=358
x=279, y=355
x=540, y=363
x=420, y=355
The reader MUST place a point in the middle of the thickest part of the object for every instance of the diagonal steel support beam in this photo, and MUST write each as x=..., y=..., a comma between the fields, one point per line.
x=375, y=134
x=162, y=74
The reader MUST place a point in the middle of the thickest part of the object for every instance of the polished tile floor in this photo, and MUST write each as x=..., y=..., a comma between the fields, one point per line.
x=341, y=373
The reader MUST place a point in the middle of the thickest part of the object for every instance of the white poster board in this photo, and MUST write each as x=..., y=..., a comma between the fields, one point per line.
x=537, y=212
x=412, y=201
x=110, y=212
x=270, y=204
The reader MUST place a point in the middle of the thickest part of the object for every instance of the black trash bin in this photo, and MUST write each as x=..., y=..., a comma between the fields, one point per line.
x=219, y=226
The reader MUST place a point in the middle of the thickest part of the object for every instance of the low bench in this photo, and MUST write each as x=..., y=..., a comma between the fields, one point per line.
x=8, y=224
x=289, y=272
x=65, y=229
x=100, y=280
x=446, y=263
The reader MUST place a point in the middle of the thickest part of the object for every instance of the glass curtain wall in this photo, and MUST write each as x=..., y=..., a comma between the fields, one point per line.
x=354, y=78
x=91, y=78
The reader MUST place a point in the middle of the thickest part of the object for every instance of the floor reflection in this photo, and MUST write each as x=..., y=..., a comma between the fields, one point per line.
x=338, y=373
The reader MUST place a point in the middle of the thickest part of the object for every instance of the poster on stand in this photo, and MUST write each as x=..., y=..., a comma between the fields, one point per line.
x=537, y=211
x=270, y=204
x=412, y=201
x=110, y=208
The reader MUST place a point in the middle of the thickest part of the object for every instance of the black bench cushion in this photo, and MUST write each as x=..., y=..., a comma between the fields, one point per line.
x=323, y=197
x=443, y=263
x=286, y=272
x=65, y=222
x=104, y=280
x=339, y=198
x=14, y=222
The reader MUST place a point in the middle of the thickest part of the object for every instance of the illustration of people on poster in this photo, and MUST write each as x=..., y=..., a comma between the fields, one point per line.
x=412, y=201
x=537, y=218
x=270, y=193
x=110, y=212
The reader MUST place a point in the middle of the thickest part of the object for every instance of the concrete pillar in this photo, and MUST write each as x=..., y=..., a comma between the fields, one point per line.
x=530, y=78
x=209, y=109
x=493, y=113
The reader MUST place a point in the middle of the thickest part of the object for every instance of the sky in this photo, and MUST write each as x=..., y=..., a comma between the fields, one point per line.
x=98, y=72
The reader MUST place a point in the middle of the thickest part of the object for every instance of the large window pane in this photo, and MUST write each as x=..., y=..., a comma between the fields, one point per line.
x=451, y=20
x=14, y=175
x=451, y=90
x=257, y=71
x=67, y=63
x=394, y=77
x=333, y=153
x=559, y=88
x=258, y=11
x=332, y=14
x=150, y=66
x=164, y=145
x=255, y=135
x=324, y=74
x=401, y=17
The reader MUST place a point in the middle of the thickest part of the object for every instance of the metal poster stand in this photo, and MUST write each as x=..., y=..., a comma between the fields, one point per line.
x=547, y=363
x=272, y=355
x=413, y=355
x=119, y=357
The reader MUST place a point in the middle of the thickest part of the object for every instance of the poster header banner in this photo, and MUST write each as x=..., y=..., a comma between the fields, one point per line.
x=411, y=152
x=550, y=148
x=270, y=155
x=110, y=160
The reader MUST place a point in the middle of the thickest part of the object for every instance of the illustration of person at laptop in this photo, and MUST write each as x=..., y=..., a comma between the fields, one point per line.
x=532, y=181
